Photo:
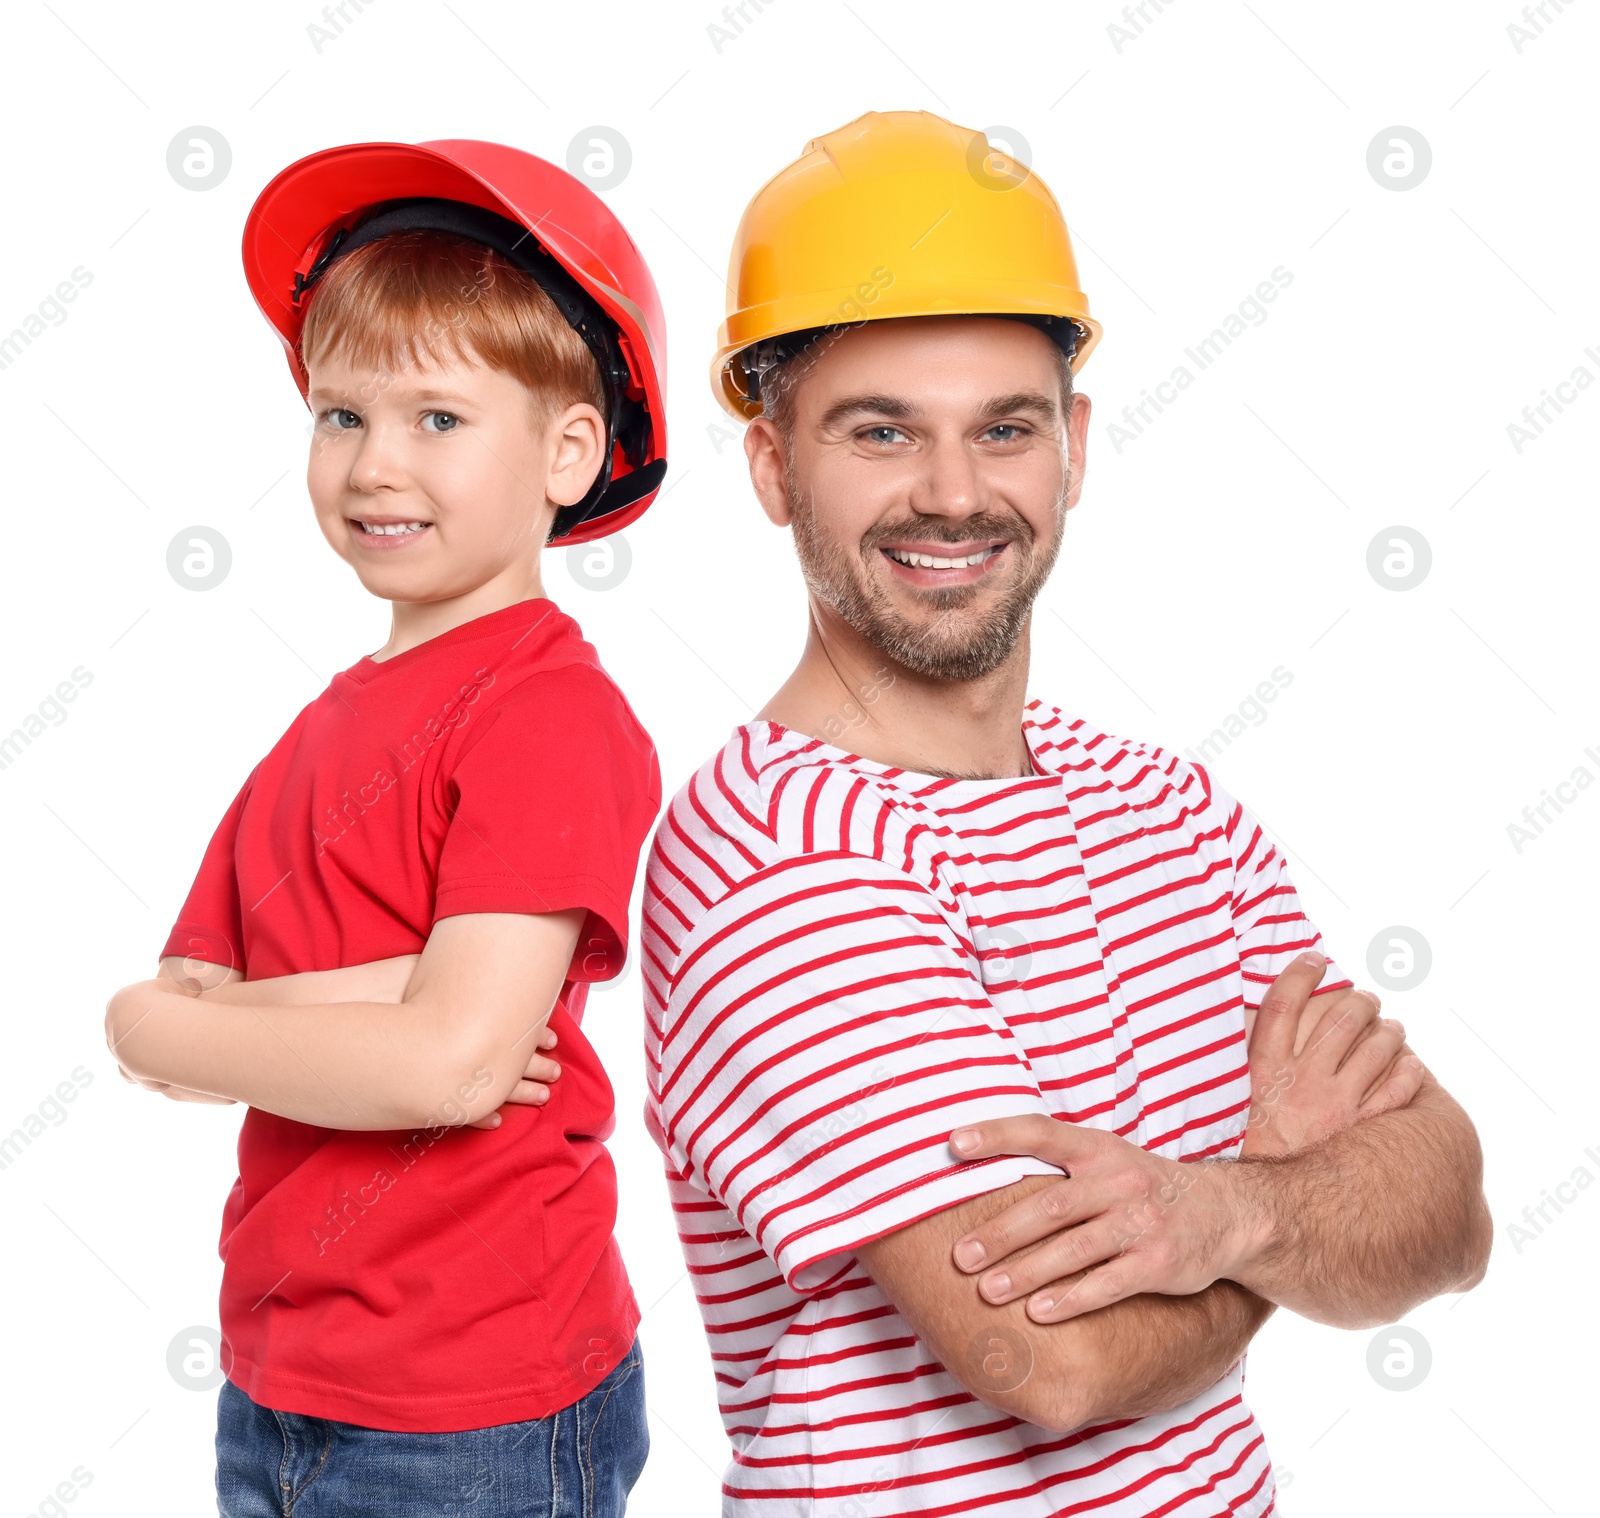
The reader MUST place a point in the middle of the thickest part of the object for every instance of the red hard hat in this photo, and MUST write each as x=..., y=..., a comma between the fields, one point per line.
x=534, y=213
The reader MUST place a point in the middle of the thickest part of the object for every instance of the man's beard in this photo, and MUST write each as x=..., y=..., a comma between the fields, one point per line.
x=943, y=649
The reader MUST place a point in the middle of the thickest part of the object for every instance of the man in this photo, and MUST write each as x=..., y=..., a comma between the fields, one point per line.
x=918, y=947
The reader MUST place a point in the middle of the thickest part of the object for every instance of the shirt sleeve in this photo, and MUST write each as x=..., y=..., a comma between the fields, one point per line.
x=825, y=1031
x=550, y=801
x=210, y=926
x=1269, y=922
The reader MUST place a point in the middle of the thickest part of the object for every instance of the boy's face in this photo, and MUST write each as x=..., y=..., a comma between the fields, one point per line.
x=433, y=481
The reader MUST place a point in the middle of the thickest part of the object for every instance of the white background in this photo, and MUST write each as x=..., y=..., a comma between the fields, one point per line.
x=1231, y=537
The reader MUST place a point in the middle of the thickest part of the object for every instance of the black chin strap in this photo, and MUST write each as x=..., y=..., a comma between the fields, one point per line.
x=627, y=420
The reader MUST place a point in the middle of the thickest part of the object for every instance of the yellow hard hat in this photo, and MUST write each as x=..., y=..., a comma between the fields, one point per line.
x=900, y=213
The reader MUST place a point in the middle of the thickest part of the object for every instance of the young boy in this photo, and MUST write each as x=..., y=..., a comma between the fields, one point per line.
x=423, y=1308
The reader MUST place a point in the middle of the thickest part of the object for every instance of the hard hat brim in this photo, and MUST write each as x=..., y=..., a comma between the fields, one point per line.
x=727, y=378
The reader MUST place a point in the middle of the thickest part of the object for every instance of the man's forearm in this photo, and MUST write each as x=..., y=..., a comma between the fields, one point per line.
x=1152, y=1353
x=1144, y=1354
x=1357, y=1230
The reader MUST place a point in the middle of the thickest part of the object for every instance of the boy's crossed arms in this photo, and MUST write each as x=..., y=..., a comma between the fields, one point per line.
x=444, y=1036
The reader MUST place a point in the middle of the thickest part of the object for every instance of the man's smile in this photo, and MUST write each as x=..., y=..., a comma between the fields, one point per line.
x=942, y=565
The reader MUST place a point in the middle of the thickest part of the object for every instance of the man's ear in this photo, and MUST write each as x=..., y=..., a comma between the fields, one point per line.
x=763, y=447
x=577, y=439
x=1077, y=445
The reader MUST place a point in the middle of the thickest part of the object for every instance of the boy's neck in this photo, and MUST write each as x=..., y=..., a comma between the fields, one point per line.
x=415, y=622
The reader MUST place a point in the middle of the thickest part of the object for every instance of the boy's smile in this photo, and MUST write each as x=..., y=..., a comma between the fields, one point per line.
x=438, y=483
x=387, y=532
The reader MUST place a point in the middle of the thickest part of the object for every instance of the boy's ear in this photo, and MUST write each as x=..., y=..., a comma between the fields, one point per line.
x=577, y=442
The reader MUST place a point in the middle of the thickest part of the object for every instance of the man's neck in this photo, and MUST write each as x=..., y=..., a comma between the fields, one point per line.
x=849, y=693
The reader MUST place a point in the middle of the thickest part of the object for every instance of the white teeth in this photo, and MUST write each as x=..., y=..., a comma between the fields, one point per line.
x=932, y=561
x=393, y=529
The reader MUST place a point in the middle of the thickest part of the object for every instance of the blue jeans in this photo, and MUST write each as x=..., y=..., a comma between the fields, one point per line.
x=580, y=1462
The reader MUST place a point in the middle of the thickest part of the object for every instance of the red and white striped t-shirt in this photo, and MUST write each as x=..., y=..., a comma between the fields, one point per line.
x=845, y=961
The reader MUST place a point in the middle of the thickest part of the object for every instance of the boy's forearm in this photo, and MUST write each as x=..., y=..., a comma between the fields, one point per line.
x=350, y=1065
x=1358, y=1229
x=382, y=980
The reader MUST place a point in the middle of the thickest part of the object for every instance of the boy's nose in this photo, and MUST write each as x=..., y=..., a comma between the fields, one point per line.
x=376, y=465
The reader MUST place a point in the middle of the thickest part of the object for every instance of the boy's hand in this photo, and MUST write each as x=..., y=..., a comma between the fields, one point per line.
x=533, y=1090
x=118, y=1026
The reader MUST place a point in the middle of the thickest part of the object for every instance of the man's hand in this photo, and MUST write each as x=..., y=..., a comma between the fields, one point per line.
x=1166, y=1227
x=1320, y=1063
x=1169, y=1227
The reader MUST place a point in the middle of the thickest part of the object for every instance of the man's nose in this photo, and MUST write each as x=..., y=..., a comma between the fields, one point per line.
x=947, y=480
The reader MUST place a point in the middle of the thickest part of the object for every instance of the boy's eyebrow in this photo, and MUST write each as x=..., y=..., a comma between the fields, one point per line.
x=431, y=395
x=333, y=393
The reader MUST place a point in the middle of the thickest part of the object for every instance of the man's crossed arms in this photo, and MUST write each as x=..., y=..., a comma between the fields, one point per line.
x=1135, y=1282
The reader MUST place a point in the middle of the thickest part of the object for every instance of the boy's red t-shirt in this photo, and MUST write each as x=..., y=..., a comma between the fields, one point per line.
x=448, y=1278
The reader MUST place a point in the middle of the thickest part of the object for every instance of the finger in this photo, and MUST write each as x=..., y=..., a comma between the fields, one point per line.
x=1374, y=1054
x=1045, y=1138
x=1350, y=1016
x=548, y=1039
x=542, y=1069
x=492, y=1120
x=1396, y=1090
x=1272, y=1038
x=1099, y=1237
x=1075, y=1252
x=528, y=1093
x=1095, y=1289
x=1039, y=1216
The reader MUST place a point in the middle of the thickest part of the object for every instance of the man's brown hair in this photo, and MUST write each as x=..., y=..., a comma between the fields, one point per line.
x=781, y=382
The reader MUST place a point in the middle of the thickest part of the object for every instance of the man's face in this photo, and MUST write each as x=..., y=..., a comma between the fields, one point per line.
x=928, y=484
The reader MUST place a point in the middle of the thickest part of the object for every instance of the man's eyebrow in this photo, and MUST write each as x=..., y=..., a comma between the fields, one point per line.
x=1021, y=400
x=1035, y=401
x=861, y=405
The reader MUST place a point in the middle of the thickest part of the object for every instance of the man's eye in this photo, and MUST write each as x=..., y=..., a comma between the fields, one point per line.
x=1006, y=432
x=340, y=419
x=440, y=421
x=884, y=434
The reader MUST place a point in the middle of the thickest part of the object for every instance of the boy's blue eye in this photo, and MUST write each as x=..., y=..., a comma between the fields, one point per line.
x=342, y=420
x=446, y=421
